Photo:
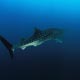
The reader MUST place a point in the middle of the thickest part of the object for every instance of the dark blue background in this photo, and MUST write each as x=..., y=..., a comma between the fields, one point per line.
x=52, y=61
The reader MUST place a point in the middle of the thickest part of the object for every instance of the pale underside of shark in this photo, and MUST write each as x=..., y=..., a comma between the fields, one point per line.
x=39, y=37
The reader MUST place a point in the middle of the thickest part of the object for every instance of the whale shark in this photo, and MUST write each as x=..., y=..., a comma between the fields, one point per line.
x=37, y=38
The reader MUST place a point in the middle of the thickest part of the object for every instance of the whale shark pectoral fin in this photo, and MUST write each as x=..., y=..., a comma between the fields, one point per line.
x=23, y=47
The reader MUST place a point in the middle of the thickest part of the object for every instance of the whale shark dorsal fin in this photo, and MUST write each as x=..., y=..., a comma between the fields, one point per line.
x=37, y=31
x=22, y=40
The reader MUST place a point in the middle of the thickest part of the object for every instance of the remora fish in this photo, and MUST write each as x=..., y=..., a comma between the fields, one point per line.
x=39, y=37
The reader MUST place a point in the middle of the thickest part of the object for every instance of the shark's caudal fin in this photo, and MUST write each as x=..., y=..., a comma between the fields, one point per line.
x=7, y=45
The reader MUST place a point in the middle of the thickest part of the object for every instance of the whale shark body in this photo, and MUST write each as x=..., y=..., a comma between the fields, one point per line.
x=37, y=38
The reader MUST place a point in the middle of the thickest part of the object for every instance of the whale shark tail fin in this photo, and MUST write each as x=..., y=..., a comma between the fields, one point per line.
x=7, y=45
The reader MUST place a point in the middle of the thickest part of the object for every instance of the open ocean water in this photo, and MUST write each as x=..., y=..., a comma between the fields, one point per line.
x=51, y=60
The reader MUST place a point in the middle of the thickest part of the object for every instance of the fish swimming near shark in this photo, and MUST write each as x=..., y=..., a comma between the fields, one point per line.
x=37, y=38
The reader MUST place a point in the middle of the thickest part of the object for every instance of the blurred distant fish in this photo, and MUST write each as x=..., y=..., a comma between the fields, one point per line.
x=39, y=37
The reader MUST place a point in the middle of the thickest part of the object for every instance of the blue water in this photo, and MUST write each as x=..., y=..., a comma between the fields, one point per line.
x=51, y=61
